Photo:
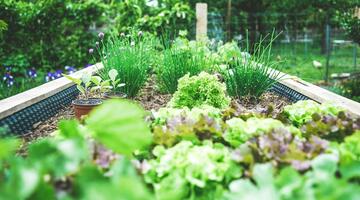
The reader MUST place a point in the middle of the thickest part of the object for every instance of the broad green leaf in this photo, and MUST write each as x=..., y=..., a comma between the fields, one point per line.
x=23, y=179
x=174, y=186
x=105, y=83
x=93, y=89
x=119, y=125
x=126, y=177
x=8, y=147
x=44, y=191
x=263, y=175
x=59, y=157
x=121, y=85
x=325, y=164
x=96, y=80
x=350, y=170
x=113, y=74
x=86, y=78
x=87, y=84
x=77, y=81
x=81, y=89
x=70, y=128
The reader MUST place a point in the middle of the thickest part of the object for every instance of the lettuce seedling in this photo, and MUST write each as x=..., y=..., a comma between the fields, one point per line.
x=114, y=81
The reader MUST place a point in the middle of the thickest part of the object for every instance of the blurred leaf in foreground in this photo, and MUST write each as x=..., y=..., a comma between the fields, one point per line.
x=119, y=125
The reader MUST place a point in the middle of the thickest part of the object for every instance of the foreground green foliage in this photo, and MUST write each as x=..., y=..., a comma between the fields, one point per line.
x=69, y=159
x=204, y=89
x=198, y=153
x=176, y=172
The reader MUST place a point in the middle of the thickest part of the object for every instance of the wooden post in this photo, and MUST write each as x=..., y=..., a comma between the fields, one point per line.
x=228, y=21
x=201, y=20
x=357, y=12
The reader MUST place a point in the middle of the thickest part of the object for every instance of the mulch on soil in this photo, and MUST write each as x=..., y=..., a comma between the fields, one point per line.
x=149, y=97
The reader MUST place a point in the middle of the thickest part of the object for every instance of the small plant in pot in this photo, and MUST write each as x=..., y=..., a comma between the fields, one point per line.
x=85, y=104
x=115, y=92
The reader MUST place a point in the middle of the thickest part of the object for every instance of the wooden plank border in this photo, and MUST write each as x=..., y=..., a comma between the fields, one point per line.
x=22, y=100
x=319, y=94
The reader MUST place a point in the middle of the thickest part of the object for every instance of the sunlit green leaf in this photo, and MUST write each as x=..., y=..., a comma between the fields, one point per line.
x=113, y=74
x=119, y=125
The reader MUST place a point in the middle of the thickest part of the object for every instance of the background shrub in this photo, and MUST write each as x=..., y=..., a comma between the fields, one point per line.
x=204, y=89
x=52, y=35
x=49, y=34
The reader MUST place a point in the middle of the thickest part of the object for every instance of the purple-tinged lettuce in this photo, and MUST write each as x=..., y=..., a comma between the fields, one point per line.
x=302, y=111
x=331, y=127
x=239, y=131
x=280, y=146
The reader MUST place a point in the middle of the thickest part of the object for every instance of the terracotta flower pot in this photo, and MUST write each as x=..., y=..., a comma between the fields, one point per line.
x=83, y=107
x=114, y=95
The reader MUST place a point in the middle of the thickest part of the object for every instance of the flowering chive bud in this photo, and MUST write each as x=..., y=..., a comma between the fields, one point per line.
x=97, y=43
x=132, y=43
x=9, y=79
x=122, y=34
x=70, y=69
x=140, y=33
x=8, y=69
x=49, y=76
x=57, y=74
x=101, y=35
x=32, y=73
x=91, y=51
x=10, y=83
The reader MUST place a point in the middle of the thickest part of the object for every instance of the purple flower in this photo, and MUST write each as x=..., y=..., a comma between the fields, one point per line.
x=87, y=65
x=58, y=73
x=9, y=79
x=91, y=51
x=8, y=68
x=49, y=77
x=70, y=69
x=32, y=73
x=101, y=35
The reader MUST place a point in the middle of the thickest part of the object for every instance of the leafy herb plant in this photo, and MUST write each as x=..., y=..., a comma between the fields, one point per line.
x=179, y=60
x=88, y=84
x=130, y=56
x=252, y=75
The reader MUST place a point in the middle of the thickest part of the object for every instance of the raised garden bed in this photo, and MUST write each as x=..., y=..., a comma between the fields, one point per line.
x=198, y=143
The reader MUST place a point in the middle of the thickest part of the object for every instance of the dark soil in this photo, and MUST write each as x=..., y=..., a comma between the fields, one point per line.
x=262, y=103
x=150, y=97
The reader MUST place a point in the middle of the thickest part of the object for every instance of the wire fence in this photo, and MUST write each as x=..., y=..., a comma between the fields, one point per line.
x=313, y=52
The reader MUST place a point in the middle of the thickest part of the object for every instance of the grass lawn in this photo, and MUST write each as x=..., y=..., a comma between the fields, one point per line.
x=298, y=61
